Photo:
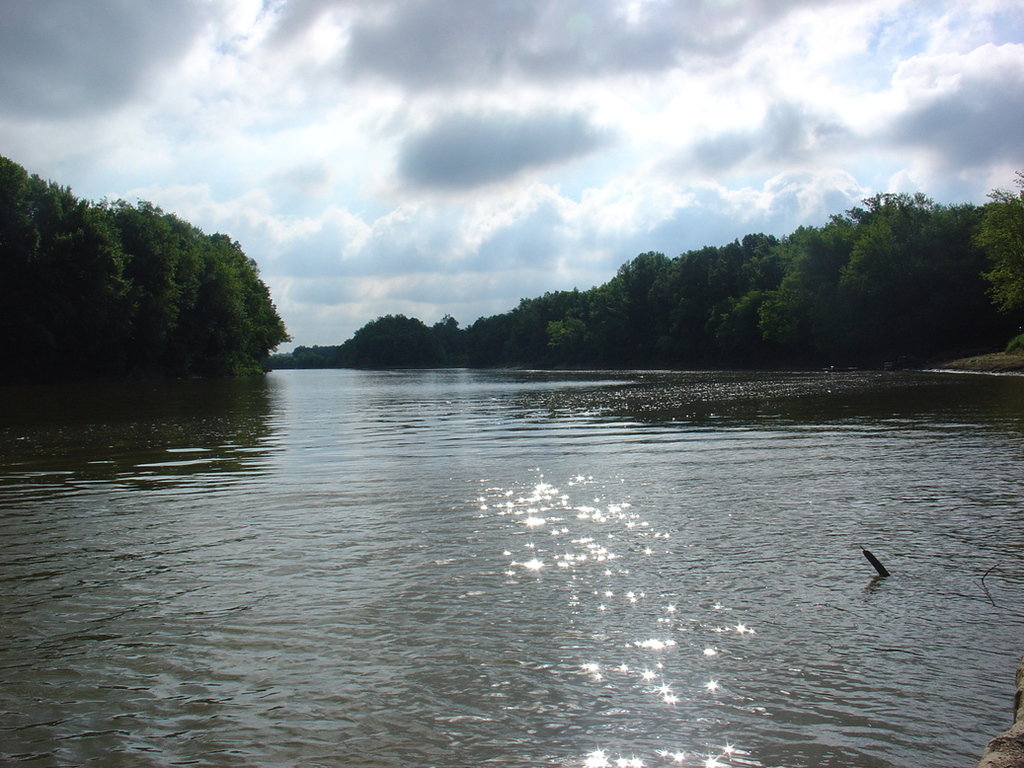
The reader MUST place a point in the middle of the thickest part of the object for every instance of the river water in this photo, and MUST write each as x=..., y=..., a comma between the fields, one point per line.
x=457, y=568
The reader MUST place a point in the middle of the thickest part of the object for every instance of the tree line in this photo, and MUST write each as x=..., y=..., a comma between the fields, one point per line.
x=897, y=280
x=114, y=289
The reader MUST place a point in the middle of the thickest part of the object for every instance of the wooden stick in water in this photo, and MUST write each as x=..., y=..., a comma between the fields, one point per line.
x=875, y=562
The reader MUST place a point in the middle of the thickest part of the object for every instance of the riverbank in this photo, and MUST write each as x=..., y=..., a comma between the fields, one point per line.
x=996, y=362
x=1007, y=749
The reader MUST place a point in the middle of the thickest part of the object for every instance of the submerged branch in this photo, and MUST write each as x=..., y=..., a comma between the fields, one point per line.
x=987, y=593
x=875, y=562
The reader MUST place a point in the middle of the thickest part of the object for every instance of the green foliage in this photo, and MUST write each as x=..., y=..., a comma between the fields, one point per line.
x=912, y=283
x=566, y=338
x=1002, y=237
x=392, y=341
x=116, y=289
x=1016, y=345
x=452, y=340
x=306, y=357
x=898, y=278
x=799, y=314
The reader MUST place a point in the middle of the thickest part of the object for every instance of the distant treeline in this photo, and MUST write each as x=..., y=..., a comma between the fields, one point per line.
x=899, y=280
x=115, y=289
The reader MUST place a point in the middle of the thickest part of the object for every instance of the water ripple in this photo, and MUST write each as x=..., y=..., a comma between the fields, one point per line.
x=506, y=569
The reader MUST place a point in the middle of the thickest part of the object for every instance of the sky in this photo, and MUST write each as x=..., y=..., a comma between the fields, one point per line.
x=451, y=157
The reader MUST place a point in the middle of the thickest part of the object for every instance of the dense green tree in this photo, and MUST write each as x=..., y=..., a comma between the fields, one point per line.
x=392, y=341
x=307, y=357
x=878, y=298
x=236, y=307
x=62, y=292
x=737, y=331
x=736, y=319
x=117, y=289
x=899, y=278
x=452, y=340
x=163, y=270
x=913, y=285
x=485, y=340
x=606, y=318
x=1001, y=235
x=526, y=343
x=637, y=279
x=567, y=339
x=799, y=314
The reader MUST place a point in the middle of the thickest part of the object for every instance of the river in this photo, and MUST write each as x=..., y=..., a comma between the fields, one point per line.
x=465, y=568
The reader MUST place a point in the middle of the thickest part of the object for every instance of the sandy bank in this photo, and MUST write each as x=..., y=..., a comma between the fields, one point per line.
x=996, y=362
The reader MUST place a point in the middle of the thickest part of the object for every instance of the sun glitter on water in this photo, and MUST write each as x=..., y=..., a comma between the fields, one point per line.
x=645, y=652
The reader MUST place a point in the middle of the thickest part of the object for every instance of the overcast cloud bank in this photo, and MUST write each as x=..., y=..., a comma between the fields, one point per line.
x=454, y=156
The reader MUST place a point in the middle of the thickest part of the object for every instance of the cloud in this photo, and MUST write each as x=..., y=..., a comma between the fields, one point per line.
x=65, y=58
x=432, y=156
x=711, y=213
x=789, y=134
x=439, y=45
x=301, y=182
x=964, y=110
x=464, y=151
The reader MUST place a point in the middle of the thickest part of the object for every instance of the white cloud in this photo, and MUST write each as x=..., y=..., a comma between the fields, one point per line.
x=456, y=156
x=963, y=110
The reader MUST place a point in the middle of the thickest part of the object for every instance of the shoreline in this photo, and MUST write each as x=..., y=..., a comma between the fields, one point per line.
x=1007, y=749
x=995, y=362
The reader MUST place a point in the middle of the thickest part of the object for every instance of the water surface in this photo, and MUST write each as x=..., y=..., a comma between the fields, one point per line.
x=337, y=568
